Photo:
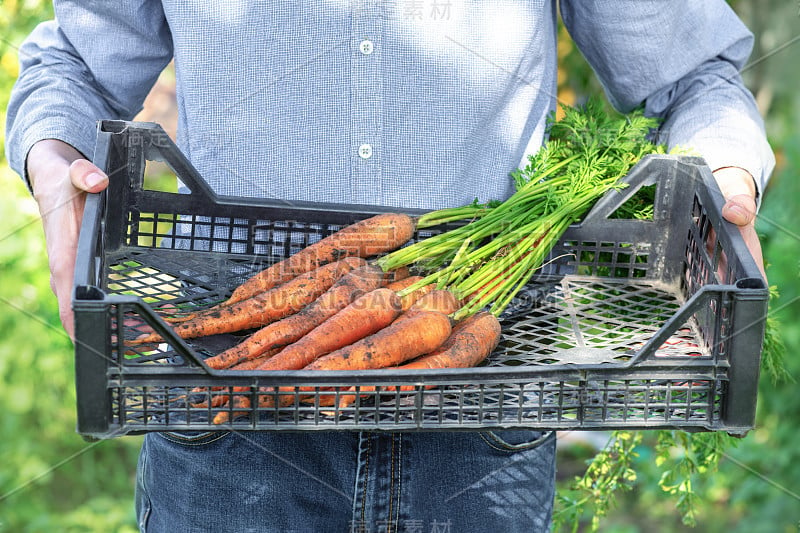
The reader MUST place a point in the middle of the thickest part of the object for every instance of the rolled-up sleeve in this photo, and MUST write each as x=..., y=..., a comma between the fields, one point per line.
x=96, y=60
x=682, y=61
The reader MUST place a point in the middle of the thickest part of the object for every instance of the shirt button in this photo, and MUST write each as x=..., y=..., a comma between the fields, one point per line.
x=365, y=151
x=366, y=46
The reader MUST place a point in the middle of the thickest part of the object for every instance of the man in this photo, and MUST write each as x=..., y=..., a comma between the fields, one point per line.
x=409, y=104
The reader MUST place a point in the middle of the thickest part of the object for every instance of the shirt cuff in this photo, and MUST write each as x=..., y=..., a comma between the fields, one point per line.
x=75, y=133
x=724, y=153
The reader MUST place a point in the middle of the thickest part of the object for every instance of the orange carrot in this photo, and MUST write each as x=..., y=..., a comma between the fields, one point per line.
x=440, y=300
x=264, y=308
x=219, y=400
x=471, y=341
x=401, y=284
x=252, y=364
x=419, y=334
x=372, y=236
x=397, y=275
x=366, y=315
x=292, y=328
x=407, y=300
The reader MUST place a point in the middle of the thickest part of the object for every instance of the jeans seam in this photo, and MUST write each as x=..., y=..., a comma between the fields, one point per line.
x=399, y=476
x=366, y=479
x=391, y=488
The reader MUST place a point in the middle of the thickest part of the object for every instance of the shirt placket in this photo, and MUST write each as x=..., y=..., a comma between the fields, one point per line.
x=366, y=102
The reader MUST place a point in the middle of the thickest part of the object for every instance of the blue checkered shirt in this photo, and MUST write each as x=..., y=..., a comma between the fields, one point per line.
x=423, y=103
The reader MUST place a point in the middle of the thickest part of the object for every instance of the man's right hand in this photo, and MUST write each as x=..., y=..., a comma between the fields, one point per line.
x=60, y=178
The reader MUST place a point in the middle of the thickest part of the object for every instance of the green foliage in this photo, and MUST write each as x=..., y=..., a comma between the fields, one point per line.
x=773, y=358
x=594, y=494
x=683, y=456
x=51, y=480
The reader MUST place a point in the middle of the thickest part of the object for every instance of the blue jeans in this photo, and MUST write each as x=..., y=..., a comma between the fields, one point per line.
x=321, y=482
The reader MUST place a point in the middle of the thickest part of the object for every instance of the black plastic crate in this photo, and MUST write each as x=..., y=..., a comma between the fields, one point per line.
x=631, y=324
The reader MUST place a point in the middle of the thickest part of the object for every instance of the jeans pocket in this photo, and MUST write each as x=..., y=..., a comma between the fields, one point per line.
x=193, y=438
x=515, y=440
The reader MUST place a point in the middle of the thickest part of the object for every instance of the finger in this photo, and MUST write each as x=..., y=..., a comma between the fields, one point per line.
x=63, y=295
x=67, y=318
x=85, y=176
x=752, y=242
x=740, y=210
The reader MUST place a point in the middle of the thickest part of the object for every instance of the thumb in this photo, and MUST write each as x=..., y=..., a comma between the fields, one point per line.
x=87, y=177
x=740, y=210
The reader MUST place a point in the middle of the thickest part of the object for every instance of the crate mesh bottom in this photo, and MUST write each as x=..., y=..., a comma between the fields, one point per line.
x=555, y=320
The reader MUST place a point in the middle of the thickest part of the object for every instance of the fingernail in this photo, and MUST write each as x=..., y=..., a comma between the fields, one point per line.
x=94, y=179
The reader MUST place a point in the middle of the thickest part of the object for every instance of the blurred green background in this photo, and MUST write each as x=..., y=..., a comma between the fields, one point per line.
x=50, y=479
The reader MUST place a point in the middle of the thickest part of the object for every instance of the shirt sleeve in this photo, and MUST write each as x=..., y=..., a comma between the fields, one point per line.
x=682, y=61
x=96, y=60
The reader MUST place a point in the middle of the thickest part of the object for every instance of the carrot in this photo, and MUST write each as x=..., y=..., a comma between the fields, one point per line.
x=372, y=236
x=219, y=400
x=397, y=276
x=419, y=334
x=366, y=315
x=395, y=279
x=223, y=416
x=264, y=308
x=401, y=284
x=252, y=364
x=440, y=300
x=407, y=300
x=328, y=399
x=471, y=341
x=292, y=328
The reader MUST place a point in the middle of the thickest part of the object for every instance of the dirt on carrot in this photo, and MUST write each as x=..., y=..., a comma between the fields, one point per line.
x=401, y=284
x=440, y=300
x=264, y=308
x=366, y=315
x=470, y=342
x=419, y=334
